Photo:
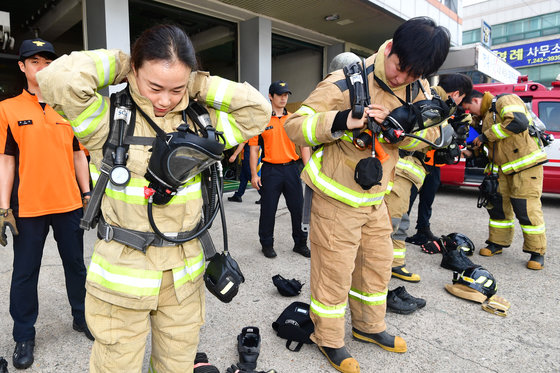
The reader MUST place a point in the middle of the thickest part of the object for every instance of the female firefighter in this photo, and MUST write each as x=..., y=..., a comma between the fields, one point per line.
x=156, y=285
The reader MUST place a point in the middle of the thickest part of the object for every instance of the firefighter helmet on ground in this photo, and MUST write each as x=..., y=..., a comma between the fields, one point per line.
x=459, y=241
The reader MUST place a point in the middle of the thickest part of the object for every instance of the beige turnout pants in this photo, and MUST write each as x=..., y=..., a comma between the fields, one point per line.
x=120, y=333
x=351, y=256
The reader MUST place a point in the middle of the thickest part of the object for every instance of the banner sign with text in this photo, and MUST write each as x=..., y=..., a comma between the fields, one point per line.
x=532, y=54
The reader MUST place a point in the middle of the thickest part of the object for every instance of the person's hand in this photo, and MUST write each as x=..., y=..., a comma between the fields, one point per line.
x=256, y=182
x=355, y=123
x=377, y=112
x=232, y=158
x=7, y=220
x=466, y=153
x=477, y=142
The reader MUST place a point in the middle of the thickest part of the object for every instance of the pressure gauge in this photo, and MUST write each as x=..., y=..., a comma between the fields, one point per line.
x=120, y=175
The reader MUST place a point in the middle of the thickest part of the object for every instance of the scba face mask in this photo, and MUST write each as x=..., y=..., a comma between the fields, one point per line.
x=179, y=156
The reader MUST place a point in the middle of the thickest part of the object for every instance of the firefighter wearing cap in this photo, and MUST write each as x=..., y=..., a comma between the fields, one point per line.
x=131, y=293
x=517, y=158
x=280, y=174
x=43, y=173
x=350, y=228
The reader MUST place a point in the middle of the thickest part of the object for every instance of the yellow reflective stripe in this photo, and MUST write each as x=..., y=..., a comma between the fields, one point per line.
x=370, y=299
x=226, y=124
x=337, y=190
x=105, y=66
x=308, y=128
x=89, y=119
x=331, y=312
x=152, y=369
x=415, y=142
x=399, y=253
x=305, y=110
x=133, y=192
x=125, y=280
x=501, y=223
x=389, y=187
x=512, y=108
x=220, y=93
x=405, y=164
x=494, y=170
x=533, y=229
x=535, y=157
x=497, y=129
x=193, y=268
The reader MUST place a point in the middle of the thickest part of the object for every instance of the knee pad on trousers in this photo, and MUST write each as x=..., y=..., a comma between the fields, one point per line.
x=497, y=210
x=520, y=209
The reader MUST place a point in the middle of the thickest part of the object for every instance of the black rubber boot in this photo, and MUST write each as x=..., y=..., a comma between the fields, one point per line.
x=536, y=262
x=383, y=339
x=269, y=252
x=491, y=250
x=249, y=346
x=340, y=359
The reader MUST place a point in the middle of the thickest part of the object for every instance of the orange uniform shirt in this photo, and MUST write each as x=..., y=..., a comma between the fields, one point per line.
x=43, y=143
x=277, y=146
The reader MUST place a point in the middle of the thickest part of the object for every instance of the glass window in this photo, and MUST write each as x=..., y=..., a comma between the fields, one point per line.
x=549, y=113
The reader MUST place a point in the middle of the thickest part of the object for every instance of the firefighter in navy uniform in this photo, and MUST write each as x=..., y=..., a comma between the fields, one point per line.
x=280, y=174
x=517, y=158
x=158, y=287
x=350, y=228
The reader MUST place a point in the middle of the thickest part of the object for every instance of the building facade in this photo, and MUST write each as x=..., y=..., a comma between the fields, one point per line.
x=258, y=41
x=525, y=34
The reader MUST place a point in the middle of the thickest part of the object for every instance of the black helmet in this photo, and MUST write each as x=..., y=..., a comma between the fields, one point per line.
x=458, y=241
x=477, y=278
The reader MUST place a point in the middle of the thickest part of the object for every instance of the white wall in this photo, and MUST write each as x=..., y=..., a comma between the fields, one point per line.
x=301, y=70
x=407, y=9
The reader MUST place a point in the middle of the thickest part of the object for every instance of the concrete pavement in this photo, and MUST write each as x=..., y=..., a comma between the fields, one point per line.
x=449, y=334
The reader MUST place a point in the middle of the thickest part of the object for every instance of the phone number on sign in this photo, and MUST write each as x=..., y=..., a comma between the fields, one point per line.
x=543, y=59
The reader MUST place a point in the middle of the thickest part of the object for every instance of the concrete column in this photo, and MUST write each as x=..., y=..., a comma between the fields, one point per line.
x=106, y=24
x=255, y=57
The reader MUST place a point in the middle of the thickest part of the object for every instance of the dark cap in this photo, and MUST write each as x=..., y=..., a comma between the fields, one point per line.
x=280, y=87
x=32, y=47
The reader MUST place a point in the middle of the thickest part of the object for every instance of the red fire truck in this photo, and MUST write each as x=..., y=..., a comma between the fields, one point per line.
x=545, y=103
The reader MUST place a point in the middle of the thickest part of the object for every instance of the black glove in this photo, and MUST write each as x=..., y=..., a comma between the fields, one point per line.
x=7, y=220
x=434, y=247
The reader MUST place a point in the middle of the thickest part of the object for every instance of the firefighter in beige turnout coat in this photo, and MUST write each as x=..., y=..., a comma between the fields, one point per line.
x=350, y=228
x=127, y=290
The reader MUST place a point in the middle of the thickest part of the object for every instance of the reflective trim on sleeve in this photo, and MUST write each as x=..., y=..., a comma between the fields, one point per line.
x=226, y=124
x=512, y=108
x=389, y=187
x=309, y=124
x=336, y=190
x=412, y=167
x=193, y=268
x=105, y=65
x=415, y=142
x=498, y=131
x=533, y=229
x=220, y=93
x=130, y=281
x=89, y=119
x=533, y=158
x=505, y=224
x=330, y=312
x=369, y=299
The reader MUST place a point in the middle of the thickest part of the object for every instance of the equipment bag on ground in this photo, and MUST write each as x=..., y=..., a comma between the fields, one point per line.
x=295, y=325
